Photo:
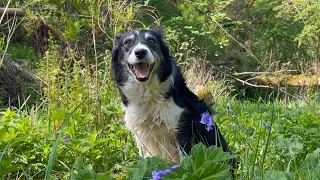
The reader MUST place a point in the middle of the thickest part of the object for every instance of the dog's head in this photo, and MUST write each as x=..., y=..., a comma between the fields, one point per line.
x=138, y=55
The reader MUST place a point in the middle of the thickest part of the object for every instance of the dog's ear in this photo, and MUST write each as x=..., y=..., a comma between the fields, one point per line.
x=158, y=30
x=115, y=48
x=117, y=39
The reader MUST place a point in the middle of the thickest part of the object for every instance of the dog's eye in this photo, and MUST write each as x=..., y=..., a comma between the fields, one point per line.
x=128, y=42
x=152, y=41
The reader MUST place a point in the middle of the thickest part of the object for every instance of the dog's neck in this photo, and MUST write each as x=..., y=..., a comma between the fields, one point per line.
x=147, y=92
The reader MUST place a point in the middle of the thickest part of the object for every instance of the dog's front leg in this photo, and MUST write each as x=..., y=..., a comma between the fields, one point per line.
x=184, y=133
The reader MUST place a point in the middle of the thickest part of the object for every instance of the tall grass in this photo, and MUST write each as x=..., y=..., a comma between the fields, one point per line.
x=77, y=130
x=267, y=137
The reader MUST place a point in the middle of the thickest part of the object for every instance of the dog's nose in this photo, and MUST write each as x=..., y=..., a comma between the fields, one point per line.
x=140, y=53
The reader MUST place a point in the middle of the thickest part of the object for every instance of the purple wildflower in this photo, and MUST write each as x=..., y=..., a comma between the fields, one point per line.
x=206, y=119
x=301, y=97
x=266, y=126
x=157, y=175
x=66, y=138
x=175, y=167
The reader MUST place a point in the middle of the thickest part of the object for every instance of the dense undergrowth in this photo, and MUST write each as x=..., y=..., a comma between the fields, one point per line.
x=72, y=127
x=275, y=139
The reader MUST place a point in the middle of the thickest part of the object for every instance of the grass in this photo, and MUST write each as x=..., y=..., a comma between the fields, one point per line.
x=62, y=137
x=77, y=131
x=269, y=138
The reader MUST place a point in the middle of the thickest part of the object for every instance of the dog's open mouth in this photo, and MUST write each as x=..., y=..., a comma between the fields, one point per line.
x=141, y=70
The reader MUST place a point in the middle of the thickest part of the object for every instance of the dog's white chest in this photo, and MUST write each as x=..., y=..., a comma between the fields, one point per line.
x=153, y=113
x=152, y=118
x=154, y=125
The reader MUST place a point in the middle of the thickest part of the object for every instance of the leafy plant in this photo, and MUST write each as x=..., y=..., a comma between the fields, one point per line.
x=203, y=163
x=68, y=44
x=80, y=171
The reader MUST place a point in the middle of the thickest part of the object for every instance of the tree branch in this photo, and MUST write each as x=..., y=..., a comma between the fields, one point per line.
x=13, y=12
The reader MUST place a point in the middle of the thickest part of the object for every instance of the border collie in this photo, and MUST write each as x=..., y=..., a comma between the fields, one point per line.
x=164, y=116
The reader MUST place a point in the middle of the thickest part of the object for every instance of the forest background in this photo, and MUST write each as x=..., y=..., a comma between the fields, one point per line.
x=255, y=61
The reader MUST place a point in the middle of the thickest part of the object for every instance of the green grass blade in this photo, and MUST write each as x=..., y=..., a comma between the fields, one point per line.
x=54, y=150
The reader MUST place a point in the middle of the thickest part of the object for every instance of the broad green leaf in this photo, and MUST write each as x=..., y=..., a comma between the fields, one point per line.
x=204, y=163
x=198, y=154
x=139, y=173
x=217, y=155
x=187, y=164
x=311, y=165
x=78, y=164
x=213, y=171
x=276, y=175
x=104, y=176
x=313, y=159
x=3, y=134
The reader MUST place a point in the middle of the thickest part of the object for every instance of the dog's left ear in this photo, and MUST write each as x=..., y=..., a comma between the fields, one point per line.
x=158, y=30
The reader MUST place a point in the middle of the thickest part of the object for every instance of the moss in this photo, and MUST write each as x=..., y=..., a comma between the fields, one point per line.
x=291, y=80
x=202, y=93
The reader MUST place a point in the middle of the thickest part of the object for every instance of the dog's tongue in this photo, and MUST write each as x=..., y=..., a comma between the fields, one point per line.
x=141, y=70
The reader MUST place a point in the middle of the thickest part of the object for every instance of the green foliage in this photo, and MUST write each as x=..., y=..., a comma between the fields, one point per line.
x=1, y=43
x=146, y=166
x=310, y=167
x=203, y=163
x=279, y=175
x=280, y=28
x=290, y=147
x=275, y=31
x=77, y=130
x=191, y=30
x=291, y=136
x=72, y=107
x=79, y=172
x=19, y=52
x=310, y=32
x=20, y=132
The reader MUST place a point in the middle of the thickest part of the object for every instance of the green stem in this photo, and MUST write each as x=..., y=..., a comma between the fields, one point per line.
x=54, y=150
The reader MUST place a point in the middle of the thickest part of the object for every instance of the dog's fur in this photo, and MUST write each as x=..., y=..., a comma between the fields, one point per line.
x=163, y=114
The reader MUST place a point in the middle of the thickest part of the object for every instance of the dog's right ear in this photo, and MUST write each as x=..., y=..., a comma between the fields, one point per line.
x=116, y=40
x=115, y=48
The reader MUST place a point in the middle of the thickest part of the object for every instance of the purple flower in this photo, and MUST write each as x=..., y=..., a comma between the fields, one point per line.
x=157, y=175
x=206, y=119
x=266, y=126
x=175, y=167
x=301, y=97
x=66, y=138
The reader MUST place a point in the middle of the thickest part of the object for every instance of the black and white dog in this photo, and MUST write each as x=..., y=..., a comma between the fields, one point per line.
x=165, y=117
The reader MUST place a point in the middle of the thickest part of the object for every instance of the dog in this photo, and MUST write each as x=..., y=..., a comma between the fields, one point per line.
x=165, y=117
